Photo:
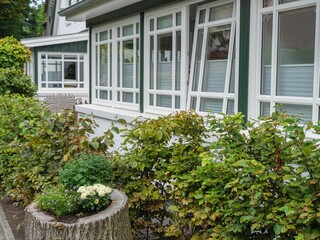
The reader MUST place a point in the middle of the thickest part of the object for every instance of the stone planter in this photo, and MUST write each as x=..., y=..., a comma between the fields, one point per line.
x=112, y=223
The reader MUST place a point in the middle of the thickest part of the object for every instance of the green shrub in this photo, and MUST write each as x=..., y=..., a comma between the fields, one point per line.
x=13, y=54
x=13, y=80
x=156, y=159
x=85, y=170
x=59, y=201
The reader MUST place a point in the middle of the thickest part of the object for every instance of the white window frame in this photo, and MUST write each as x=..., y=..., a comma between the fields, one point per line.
x=172, y=10
x=232, y=56
x=63, y=89
x=113, y=67
x=255, y=98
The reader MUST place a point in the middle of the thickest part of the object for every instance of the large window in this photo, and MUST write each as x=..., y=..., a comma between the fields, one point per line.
x=213, y=64
x=59, y=71
x=288, y=73
x=117, y=65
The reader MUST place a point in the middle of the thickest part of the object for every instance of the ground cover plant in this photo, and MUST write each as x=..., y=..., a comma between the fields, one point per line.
x=255, y=180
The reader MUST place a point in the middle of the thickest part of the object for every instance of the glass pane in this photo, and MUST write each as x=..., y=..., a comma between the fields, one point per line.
x=264, y=109
x=137, y=28
x=53, y=56
x=81, y=57
x=104, y=36
x=216, y=60
x=178, y=62
x=178, y=19
x=43, y=85
x=164, y=22
x=296, y=52
x=197, y=63
x=267, y=3
x=127, y=97
x=70, y=71
x=70, y=85
x=266, y=54
x=151, y=103
x=151, y=24
x=202, y=16
x=110, y=33
x=127, y=30
x=305, y=112
x=127, y=67
x=118, y=32
x=221, y=12
x=211, y=105
x=287, y=1
x=164, y=72
x=55, y=85
x=164, y=101
x=70, y=57
x=103, y=65
x=151, y=62
x=104, y=94
x=137, y=64
x=43, y=71
x=177, y=102
x=233, y=70
x=193, y=103
x=81, y=85
x=118, y=96
x=55, y=71
x=118, y=64
x=137, y=98
x=230, y=106
x=110, y=92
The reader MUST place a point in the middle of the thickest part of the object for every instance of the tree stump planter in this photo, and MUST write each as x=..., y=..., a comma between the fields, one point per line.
x=112, y=223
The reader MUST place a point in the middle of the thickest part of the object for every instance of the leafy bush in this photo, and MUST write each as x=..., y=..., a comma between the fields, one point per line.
x=256, y=180
x=13, y=54
x=85, y=170
x=155, y=161
x=59, y=201
x=13, y=80
x=94, y=198
x=35, y=144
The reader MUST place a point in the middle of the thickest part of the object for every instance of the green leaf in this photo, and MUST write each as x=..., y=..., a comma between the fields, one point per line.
x=159, y=135
x=277, y=229
x=95, y=145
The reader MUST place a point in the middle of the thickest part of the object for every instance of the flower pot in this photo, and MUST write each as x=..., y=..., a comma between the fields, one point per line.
x=112, y=223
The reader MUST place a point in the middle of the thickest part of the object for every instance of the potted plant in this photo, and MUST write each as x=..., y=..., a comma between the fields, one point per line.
x=82, y=206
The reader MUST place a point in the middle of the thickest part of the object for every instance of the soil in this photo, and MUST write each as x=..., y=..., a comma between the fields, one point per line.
x=15, y=217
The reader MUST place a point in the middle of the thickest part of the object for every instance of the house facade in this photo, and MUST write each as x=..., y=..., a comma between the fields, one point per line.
x=59, y=62
x=151, y=58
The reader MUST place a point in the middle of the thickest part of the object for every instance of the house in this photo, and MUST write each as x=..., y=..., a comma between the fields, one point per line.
x=59, y=59
x=150, y=58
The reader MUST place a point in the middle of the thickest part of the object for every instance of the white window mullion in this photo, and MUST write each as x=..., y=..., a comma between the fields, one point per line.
x=274, y=59
x=315, y=115
x=174, y=67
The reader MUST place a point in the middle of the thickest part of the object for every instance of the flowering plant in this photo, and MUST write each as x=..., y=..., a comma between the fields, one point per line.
x=95, y=197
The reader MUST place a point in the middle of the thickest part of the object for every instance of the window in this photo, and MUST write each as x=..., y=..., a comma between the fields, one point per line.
x=288, y=73
x=61, y=71
x=117, y=75
x=164, y=65
x=213, y=64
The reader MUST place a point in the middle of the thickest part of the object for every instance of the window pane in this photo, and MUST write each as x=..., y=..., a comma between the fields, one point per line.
x=164, y=22
x=43, y=71
x=267, y=3
x=104, y=65
x=264, y=109
x=55, y=71
x=127, y=74
x=137, y=28
x=70, y=71
x=287, y=1
x=53, y=56
x=151, y=25
x=70, y=57
x=197, y=63
x=137, y=64
x=230, y=106
x=305, y=112
x=127, y=30
x=178, y=62
x=221, y=12
x=178, y=19
x=266, y=54
x=202, y=17
x=81, y=71
x=177, y=102
x=104, y=36
x=233, y=70
x=296, y=52
x=193, y=104
x=151, y=62
x=151, y=103
x=164, y=73
x=217, y=59
x=54, y=85
x=211, y=105
x=104, y=94
x=164, y=101
x=127, y=97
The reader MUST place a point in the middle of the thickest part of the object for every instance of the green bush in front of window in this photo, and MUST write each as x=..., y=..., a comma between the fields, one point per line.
x=256, y=180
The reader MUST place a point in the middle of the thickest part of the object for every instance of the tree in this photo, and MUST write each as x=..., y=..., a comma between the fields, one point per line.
x=19, y=19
